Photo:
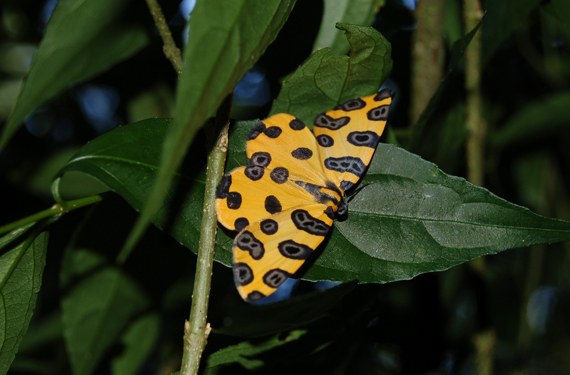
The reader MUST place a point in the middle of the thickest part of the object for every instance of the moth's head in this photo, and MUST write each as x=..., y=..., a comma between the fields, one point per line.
x=342, y=206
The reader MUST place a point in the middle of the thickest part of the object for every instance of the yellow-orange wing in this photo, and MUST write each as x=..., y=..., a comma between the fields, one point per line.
x=348, y=135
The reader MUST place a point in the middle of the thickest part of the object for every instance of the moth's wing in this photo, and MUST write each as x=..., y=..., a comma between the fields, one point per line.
x=249, y=194
x=348, y=136
x=284, y=143
x=269, y=251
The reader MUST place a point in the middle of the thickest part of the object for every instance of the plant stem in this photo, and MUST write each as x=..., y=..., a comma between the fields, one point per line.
x=171, y=52
x=474, y=119
x=57, y=209
x=427, y=55
x=196, y=330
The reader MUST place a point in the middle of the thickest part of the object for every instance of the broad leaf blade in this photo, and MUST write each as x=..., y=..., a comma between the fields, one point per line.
x=96, y=309
x=81, y=40
x=21, y=272
x=226, y=38
x=138, y=341
x=357, y=12
x=325, y=81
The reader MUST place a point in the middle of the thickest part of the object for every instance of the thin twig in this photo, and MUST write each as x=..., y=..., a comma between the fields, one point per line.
x=197, y=329
x=474, y=119
x=171, y=52
x=427, y=55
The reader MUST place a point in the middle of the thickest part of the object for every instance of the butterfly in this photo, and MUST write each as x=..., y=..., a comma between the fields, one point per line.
x=284, y=201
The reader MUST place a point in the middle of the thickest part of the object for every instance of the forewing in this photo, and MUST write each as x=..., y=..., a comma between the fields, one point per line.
x=283, y=142
x=271, y=250
x=249, y=194
x=348, y=135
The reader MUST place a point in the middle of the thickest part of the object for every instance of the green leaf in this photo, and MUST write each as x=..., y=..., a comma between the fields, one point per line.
x=13, y=235
x=81, y=40
x=138, y=342
x=96, y=309
x=325, y=81
x=226, y=38
x=428, y=115
x=21, y=272
x=412, y=219
x=501, y=19
x=244, y=353
x=358, y=12
x=255, y=321
x=543, y=118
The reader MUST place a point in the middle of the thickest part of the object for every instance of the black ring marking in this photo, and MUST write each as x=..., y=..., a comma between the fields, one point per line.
x=247, y=242
x=351, y=105
x=256, y=131
x=260, y=158
x=275, y=277
x=272, y=204
x=293, y=250
x=234, y=200
x=243, y=274
x=325, y=140
x=346, y=164
x=379, y=113
x=325, y=121
x=254, y=172
x=269, y=226
x=304, y=221
x=241, y=223
x=273, y=132
x=279, y=175
x=302, y=153
x=384, y=94
x=297, y=124
x=363, y=139
x=254, y=296
x=224, y=186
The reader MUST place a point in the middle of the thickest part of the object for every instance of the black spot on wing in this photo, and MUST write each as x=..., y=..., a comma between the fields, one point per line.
x=293, y=250
x=384, y=94
x=247, y=242
x=243, y=274
x=325, y=141
x=224, y=186
x=234, y=200
x=275, y=277
x=241, y=223
x=345, y=185
x=269, y=226
x=260, y=158
x=254, y=172
x=329, y=212
x=378, y=113
x=302, y=153
x=254, y=296
x=351, y=105
x=363, y=139
x=273, y=132
x=304, y=221
x=325, y=121
x=256, y=131
x=297, y=124
x=272, y=204
x=346, y=164
x=279, y=175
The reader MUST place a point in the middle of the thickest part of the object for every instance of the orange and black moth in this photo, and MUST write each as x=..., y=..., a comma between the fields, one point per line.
x=284, y=202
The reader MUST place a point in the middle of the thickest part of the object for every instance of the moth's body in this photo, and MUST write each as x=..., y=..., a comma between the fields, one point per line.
x=285, y=200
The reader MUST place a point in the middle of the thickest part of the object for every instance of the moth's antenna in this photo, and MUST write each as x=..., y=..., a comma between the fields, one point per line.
x=351, y=196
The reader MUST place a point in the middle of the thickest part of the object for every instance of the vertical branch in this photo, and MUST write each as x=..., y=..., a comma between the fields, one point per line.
x=171, y=52
x=427, y=55
x=197, y=329
x=476, y=125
